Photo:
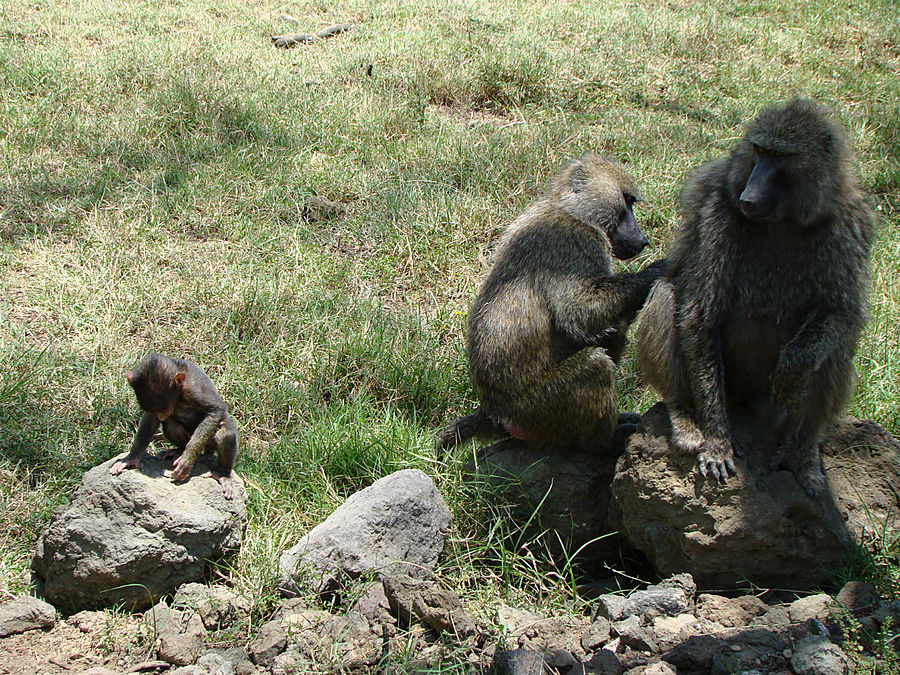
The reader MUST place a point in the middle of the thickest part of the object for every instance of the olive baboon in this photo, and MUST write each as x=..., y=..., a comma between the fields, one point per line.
x=548, y=325
x=179, y=395
x=764, y=297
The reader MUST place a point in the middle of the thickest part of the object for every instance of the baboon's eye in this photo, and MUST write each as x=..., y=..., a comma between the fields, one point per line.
x=767, y=152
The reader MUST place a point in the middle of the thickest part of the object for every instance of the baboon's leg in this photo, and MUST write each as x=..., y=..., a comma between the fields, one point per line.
x=225, y=445
x=573, y=403
x=660, y=364
x=827, y=392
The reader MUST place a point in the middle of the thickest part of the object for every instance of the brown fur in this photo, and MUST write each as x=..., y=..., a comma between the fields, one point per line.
x=548, y=325
x=759, y=315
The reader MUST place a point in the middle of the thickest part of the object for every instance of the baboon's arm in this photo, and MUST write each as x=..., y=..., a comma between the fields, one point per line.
x=606, y=303
x=146, y=430
x=202, y=434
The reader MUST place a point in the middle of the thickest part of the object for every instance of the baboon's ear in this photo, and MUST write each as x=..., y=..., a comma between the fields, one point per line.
x=179, y=378
x=129, y=377
x=578, y=178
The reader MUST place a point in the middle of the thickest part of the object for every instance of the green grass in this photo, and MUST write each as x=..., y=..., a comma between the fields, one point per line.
x=156, y=156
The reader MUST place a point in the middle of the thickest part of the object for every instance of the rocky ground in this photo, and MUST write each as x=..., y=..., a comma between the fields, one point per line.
x=403, y=624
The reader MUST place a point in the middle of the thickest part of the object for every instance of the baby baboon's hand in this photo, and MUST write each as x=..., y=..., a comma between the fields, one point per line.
x=121, y=465
x=717, y=459
x=181, y=469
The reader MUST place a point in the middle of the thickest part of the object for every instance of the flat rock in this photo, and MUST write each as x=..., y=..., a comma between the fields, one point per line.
x=436, y=607
x=397, y=524
x=730, y=612
x=123, y=540
x=24, y=614
x=760, y=525
x=816, y=655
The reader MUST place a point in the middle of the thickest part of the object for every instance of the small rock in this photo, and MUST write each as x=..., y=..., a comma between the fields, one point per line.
x=609, y=606
x=100, y=670
x=434, y=606
x=668, y=631
x=217, y=606
x=269, y=643
x=24, y=614
x=663, y=599
x=658, y=668
x=179, y=634
x=397, y=524
x=88, y=621
x=816, y=655
x=596, y=635
x=811, y=607
x=858, y=597
x=634, y=635
x=373, y=603
x=208, y=664
x=559, y=660
x=517, y=662
x=604, y=662
x=239, y=660
x=730, y=612
x=776, y=616
x=539, y=633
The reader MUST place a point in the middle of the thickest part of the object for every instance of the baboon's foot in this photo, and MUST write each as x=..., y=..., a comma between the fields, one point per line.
x=685, y=434
x=716, y=459
x=807, y=469
x=224, y=481
x=628, y=418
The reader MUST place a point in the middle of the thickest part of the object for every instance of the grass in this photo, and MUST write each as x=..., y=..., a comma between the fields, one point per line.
x=156, y=157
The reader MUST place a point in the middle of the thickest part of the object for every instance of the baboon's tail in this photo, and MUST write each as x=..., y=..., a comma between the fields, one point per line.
x=463, y=429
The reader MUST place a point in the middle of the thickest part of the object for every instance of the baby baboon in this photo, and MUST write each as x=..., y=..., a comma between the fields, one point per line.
x=764, y=298
x=179, y=395
x=548, y=325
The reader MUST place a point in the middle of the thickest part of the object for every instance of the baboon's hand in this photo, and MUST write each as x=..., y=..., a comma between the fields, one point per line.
x=121, y=465
x=716, y=458
x=181, y=469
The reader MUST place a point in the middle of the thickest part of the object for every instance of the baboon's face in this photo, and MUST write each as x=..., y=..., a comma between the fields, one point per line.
x=625, y=237
x=789, y=168
x=766, y=186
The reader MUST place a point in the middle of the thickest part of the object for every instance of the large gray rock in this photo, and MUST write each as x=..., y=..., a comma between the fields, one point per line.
x=760, y=525
x=397, y=524
x=132, y=538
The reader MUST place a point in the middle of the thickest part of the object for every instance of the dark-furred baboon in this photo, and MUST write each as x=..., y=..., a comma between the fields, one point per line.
x=764, y=297
x=548, y=325
x=181, y=397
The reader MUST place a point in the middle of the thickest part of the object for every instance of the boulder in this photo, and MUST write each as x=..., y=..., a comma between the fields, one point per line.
x=563, y=493
x=129, y=539
x=760, y=525
x=397, y=524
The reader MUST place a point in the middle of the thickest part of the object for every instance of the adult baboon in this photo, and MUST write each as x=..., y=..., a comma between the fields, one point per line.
x=548, y=325
x=764, y=298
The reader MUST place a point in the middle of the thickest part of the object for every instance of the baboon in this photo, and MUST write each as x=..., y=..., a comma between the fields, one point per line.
x=548, y=324
x=765, y=293
x=194, y=418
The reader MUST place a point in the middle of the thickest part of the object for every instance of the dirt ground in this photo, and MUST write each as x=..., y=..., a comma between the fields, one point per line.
x=81, y=642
